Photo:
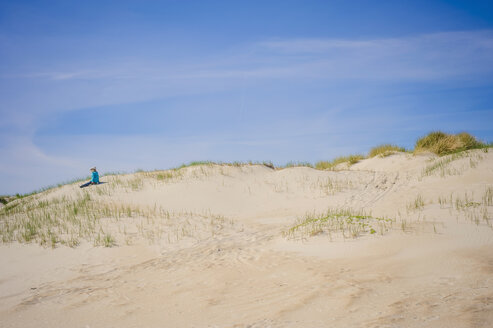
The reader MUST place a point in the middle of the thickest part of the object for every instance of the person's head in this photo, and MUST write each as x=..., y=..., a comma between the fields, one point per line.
x=93, y=169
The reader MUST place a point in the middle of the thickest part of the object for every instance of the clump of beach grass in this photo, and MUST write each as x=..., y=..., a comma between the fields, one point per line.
x=385, y=150
x=330, y=165
x=442, y=143
x=417, y=204
x=297, y=164
x=104, y=239
x=347, y=223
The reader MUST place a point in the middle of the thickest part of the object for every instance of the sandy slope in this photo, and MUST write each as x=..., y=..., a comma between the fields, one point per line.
x=218, y=257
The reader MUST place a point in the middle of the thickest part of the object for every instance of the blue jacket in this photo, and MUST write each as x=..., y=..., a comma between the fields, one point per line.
x=95, y=177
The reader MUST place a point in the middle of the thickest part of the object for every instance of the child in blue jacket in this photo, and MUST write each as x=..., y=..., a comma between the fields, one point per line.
x=94, y=178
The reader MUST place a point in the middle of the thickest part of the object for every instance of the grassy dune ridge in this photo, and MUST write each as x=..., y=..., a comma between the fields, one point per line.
x=56, y=216
x=436, y=142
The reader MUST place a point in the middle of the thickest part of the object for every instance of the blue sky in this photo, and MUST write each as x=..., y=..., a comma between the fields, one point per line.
x=152, y=84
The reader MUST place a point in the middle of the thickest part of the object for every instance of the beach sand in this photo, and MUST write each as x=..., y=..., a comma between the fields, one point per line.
x=219, y=253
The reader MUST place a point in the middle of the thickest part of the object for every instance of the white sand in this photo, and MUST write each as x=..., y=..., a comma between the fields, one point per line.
x=434, y=268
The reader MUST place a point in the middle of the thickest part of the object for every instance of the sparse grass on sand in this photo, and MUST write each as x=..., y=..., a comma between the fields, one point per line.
x=38, y=191
x=417, y=204
x=330, y=165
x=297, y=164
x=442, y=166
x=196, y=163
x=85, y=217
x=385, y=150
x=474, y=209
x=236, y=164
x=347, y=223
x=442, y=143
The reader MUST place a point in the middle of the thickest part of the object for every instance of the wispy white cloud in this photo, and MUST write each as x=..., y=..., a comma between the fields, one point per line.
x=310, y=45
x=31, y=98
x=437, y=55
x=423, y=57
x=441, y=42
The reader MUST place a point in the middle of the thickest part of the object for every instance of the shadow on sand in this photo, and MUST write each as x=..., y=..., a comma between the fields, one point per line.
x=92, y=184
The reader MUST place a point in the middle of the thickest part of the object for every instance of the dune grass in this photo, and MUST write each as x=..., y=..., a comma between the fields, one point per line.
x=442, y=143
x=487, y=198
x=70, y=220
x=9, y=198
x=437, y=142
x=236, y=164
x=347, y=223
x=443, y=167
x=297, y=164
x=473, y=208
x=417, y=204
x=330, y=165
x=385, y=150
x=196, y=163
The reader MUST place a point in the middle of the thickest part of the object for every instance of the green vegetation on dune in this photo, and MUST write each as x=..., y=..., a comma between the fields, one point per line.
x=442, y=143
x=437, y=142
x=30, y=219
x=86, y=216
x=195, y=163
x=328, y=165
x=297, y=164
x=347, y=223
x=210, y=163
x=385, y=150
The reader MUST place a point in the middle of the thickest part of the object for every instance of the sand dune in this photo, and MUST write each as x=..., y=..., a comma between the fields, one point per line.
x=230, y=246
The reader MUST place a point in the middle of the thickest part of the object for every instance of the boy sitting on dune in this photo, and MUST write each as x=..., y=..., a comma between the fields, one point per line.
x=94, y=179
